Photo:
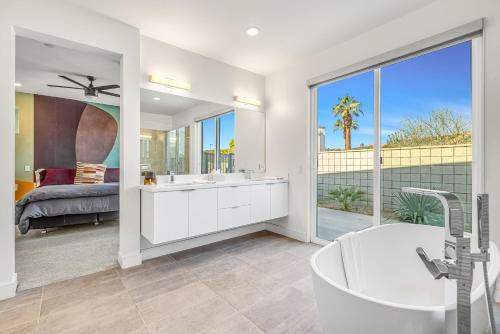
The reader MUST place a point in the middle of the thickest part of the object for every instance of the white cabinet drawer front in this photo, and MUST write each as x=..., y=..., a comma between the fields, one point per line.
x=234, y=196
x=234, y=217
x=202, y=211
x=260, y=209
x=171, y=216
x=279, y=200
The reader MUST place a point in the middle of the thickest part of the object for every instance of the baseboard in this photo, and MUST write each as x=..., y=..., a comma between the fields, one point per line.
x=8, y=290
x=165, y=249
x=129, y=260
x=278, y=229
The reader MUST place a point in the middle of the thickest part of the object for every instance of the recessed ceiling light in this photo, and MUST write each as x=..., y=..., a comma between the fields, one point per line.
x=156, y=98
x=253, y=31
x=18, y=84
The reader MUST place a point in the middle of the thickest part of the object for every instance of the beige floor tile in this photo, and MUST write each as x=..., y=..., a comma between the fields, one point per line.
x=17, y=316
x=236, y=324
x=193, y=252
x=219, y=266
x=26, y=328
x=278, y=309
x=242, y=276
x=146, y=265
x=292, y=273
x=78, y=284
x=244, y=295
x=169, y=303
x=158, y=288
x=304, y=250
x=22, y=298
x=86, y=294
x=151, y=275
x=85, y=313
x=125, y=322
x=274, y=263
x=196, y=319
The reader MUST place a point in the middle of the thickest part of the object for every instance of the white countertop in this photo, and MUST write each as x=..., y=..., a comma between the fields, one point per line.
x=203, y=184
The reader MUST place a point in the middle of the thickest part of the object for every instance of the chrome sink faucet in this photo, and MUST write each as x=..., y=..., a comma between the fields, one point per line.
x=458, y=263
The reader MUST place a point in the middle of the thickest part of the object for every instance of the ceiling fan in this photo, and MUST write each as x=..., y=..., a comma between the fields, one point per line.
x=89, y=91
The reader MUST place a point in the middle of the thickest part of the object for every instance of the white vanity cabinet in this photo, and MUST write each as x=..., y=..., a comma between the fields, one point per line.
x=172, y=213
x=164, y=216
x=202, y=211
x=279, y=200
x=234, y=207
x=260, y=208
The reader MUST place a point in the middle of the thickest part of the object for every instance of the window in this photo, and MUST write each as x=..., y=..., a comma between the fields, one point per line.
x=416, y=117
x=217, y=143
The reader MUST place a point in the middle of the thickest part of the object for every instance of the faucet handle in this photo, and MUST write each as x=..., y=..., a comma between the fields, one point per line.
x=437, y=268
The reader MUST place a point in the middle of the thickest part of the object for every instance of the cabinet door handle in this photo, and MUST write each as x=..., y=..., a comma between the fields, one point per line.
x=234, y=207
x=188, y=189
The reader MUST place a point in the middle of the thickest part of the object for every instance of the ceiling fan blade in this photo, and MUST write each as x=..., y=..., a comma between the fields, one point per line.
x=108, y=93
x=73, y=81
x=64, y=87
x=107, y=87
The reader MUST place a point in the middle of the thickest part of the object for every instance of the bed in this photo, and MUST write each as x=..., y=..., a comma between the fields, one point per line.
x=56, y=202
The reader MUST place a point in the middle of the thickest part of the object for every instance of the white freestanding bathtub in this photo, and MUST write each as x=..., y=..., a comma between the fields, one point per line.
x=400, y=296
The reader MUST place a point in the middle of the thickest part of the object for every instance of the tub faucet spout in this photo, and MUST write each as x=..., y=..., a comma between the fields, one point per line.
x=458, y=263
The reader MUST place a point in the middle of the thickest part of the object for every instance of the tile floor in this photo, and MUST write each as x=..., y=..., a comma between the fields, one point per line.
x=259, y=283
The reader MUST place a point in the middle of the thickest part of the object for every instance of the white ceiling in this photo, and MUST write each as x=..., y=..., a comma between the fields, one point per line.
x=168, y=104
x=291, y=30
x=38, y=65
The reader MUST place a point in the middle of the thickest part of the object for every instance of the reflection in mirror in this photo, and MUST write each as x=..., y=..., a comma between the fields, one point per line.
x=218, y=144
x=189, y=136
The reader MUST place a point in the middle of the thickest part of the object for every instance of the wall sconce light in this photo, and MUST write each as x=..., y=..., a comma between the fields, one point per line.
x=146, y=137
x=247, y=100
x=172, y=83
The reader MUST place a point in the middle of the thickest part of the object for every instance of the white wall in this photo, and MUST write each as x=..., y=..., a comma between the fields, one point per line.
x=63, y=21
x=211, y=80
x=156, y=121
x=287, y=96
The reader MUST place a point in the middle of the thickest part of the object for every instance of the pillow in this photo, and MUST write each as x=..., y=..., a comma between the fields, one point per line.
x=89, y=173
x=55, y=176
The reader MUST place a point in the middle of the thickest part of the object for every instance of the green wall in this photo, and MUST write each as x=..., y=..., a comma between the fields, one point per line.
x=25, y=137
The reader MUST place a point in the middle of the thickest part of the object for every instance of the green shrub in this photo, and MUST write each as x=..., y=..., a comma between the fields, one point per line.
x=345, y=196
x=419, y=209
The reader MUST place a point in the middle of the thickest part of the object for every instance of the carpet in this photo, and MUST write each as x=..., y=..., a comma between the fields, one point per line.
x=65, y=253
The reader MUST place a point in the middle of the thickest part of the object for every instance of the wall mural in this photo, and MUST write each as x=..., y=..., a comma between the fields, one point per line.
x=67, y=131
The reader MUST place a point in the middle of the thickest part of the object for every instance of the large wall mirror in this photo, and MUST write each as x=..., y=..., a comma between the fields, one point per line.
x=189, y=136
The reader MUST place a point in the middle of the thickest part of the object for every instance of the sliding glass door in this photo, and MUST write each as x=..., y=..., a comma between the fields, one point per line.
x=409, y=123
x=426, y=134
x=345, y=134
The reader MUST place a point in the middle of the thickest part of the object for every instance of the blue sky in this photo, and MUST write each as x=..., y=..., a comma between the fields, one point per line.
x=411, y=88
x=226, y=131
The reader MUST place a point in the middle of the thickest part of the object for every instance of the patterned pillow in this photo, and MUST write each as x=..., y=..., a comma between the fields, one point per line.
x=89, y=173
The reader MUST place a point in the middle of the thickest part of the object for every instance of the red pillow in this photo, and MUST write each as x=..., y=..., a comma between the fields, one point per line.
x=56, y=176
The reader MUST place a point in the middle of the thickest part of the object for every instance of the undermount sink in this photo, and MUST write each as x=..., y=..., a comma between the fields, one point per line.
x=175, y=183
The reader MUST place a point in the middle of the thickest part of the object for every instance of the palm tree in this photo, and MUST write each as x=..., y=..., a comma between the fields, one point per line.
x=346, y=110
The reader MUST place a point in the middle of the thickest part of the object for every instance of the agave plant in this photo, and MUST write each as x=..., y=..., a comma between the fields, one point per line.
x=346, y=196
x=418, y=209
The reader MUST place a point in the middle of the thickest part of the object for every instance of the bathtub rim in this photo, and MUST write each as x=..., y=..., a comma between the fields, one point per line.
x=475, y=294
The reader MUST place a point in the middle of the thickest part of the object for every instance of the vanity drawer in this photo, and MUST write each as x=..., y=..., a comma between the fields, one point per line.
x=229, y=197
x=234, y=217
